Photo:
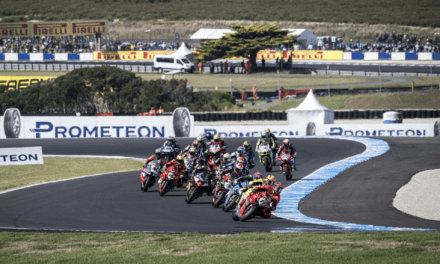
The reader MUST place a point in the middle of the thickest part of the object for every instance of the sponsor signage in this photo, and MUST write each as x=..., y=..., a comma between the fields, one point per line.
x=59, y=28
x=21, y=156
x=248, y=131
x=377, y=130
x=127, y=55
x=21, y=82
x=317, y=55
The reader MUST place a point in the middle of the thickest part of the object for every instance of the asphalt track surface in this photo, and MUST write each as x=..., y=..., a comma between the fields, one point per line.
x=364, y=193
x=114, y=202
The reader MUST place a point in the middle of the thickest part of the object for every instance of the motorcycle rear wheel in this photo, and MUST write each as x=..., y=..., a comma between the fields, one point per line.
x=249, y=212
x=164, y=188
x=219, y=199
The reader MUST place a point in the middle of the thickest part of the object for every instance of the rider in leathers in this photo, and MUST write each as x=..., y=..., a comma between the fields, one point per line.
x=157, y=156
x=178, y=167
x=287, y=146
x=267, y=140
x=174, y=143
x=218, y=141
x=275, y=139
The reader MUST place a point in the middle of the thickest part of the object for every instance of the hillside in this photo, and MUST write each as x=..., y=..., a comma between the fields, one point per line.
x=403, y=12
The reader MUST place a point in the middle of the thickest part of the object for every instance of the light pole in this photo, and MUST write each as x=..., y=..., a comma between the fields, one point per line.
x=149, y=42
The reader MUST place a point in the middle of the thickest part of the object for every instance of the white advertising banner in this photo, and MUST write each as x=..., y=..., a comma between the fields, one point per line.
x=248, y=131
x=377, y=130
x=21, y=156
x=13, y=125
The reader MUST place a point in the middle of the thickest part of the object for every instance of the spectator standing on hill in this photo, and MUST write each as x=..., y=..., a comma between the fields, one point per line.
x=226, y=66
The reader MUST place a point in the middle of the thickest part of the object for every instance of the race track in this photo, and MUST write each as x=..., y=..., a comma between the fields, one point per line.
x=114, y=202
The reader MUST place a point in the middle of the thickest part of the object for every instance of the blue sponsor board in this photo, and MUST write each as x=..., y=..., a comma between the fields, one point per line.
x=339, y=131
x=226, y=134
x=97, y=131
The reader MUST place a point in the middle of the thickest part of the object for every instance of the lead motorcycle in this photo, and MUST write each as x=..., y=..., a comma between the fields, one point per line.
x=257, y=203
x=169, y=151
x=265, y=153
x=168, y=181
x=149, y=174
x=286, y=161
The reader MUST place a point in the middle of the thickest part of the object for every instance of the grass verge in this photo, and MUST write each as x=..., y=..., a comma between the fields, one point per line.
x=61, y=168
x=416, y=100
x=411, y=247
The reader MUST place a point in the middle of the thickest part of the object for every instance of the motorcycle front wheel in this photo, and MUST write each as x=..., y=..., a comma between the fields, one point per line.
x=249, y=212
x=287, y=173
x=219, y=199
x=164, y=188
x=145, y=186
x=191, y=195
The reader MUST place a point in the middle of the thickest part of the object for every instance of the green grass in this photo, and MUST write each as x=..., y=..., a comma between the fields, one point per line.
x=404, y=12
x=411, y=247
x=61, y=168
x=416, y=100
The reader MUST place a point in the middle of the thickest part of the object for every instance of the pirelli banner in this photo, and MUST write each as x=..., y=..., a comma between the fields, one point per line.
x=127, y=55
x=317, y=55
x=21, y=82
x=61, y=28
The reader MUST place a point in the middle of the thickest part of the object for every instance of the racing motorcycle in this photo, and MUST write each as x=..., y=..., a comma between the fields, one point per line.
x=197, y=185
x=169, y=151
x=168, y=180
x=220, y=190
x=215, y=156
x=265, y=153
x=286, y=161
x=257, y=203
x=190, y=163
x=149, y=174
x=233, y=196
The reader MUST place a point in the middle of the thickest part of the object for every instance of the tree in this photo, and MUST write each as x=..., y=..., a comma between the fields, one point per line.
x=245, y=42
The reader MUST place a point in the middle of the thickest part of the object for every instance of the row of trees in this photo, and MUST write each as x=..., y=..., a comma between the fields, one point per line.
x=109, y=89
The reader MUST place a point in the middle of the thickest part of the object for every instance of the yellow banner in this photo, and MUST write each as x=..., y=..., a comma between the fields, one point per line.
x=127, y=55
x=21, y=82
x=317, y=55
x=62, y=28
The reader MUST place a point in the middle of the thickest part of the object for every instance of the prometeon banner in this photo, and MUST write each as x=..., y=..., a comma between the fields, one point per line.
x=57, y=28
x=21, y=156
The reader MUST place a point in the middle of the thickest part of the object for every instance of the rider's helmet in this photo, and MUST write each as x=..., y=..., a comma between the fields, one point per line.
x=226, y=158
x=270, y=180
x=240, y=160
x=257, y=175
x=247, y=145
x=216, y=138
x=286, y=142
x=207, y=135
x=264, y=135
x=240, y=151
x=267, y=130
x=192, y=151
x=195, y=143
x=159, y=153
x=171, y=138
x=179, y=160
x=200, y=138
x=239, y=169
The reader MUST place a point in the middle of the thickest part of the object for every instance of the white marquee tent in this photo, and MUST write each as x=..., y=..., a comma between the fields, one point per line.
x=309, y=114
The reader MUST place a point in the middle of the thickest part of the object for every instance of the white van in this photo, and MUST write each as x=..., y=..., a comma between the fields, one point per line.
x=172, y=63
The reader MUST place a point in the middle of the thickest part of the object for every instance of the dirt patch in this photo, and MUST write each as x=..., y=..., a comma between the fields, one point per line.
x=50, y=251
x=191, y=250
